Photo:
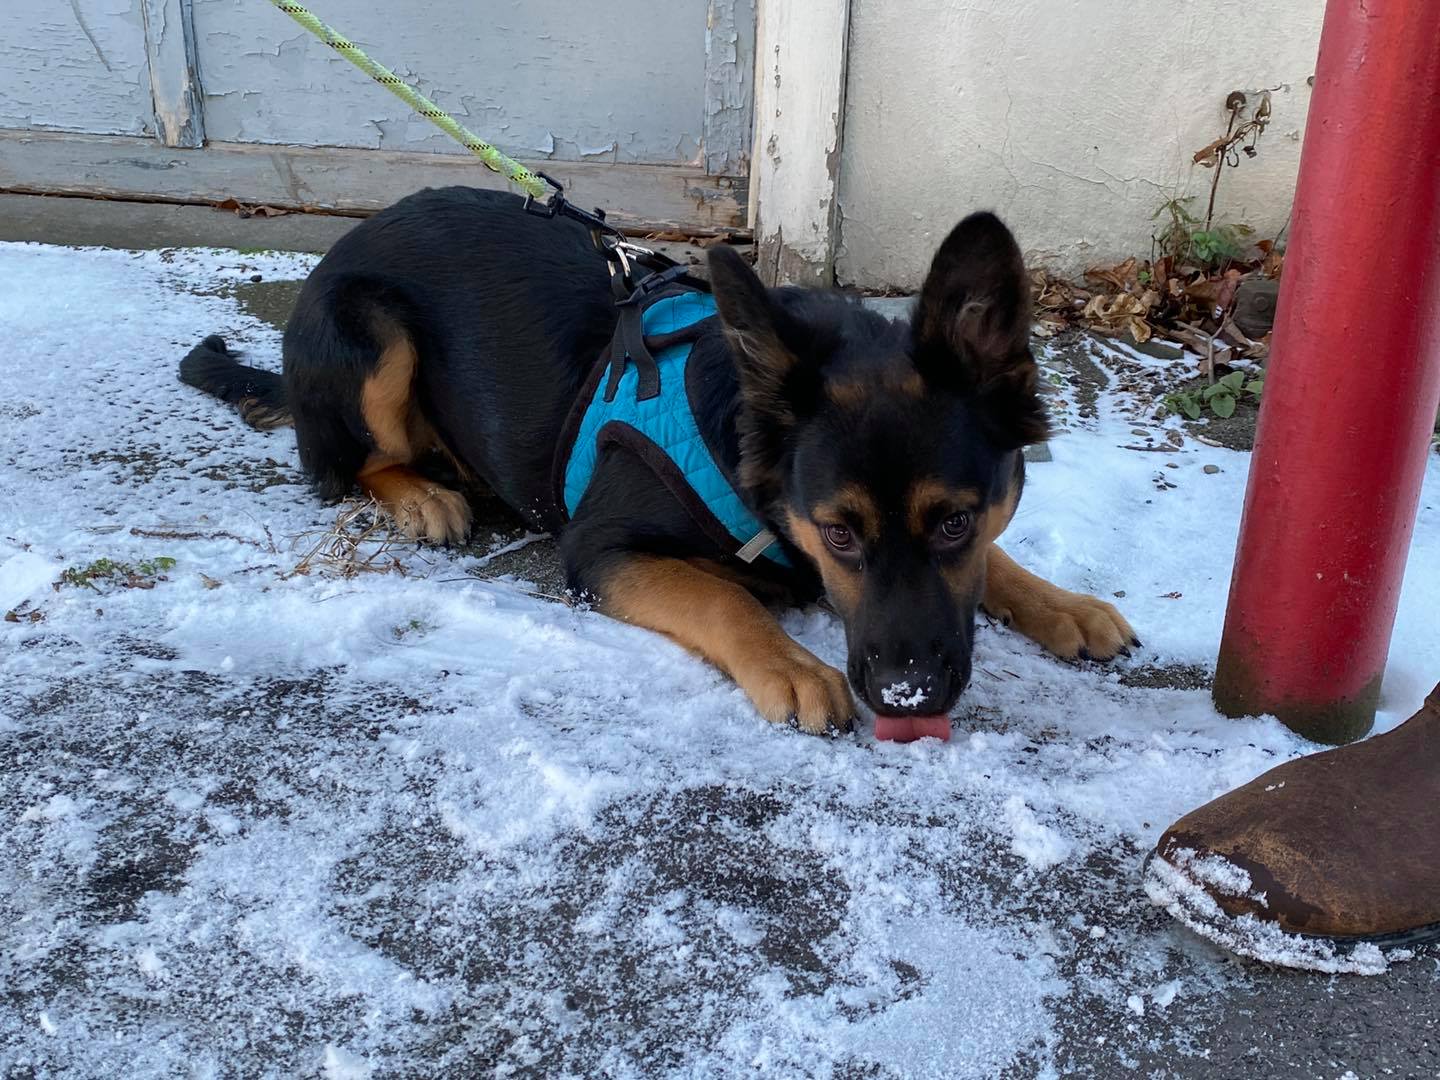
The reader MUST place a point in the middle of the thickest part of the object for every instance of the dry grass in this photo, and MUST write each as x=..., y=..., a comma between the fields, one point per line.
x=362, y=540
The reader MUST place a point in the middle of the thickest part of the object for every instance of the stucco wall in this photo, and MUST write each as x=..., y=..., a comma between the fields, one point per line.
x=1073, y=119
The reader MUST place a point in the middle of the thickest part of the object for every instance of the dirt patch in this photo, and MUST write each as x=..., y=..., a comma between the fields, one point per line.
x=1075, y=353
x=1236, y=431
x=268, y=301
x=253, y=476
x=1167, y=677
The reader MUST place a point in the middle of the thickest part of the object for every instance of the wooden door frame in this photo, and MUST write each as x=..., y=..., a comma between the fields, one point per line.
x=801, y=56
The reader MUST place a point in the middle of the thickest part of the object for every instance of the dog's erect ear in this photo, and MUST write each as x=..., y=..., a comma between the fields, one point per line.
x=972, y=328
x=754, y=326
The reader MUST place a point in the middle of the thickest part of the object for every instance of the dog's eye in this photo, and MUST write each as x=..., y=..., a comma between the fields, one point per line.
x=955, y=527
x=839, y=537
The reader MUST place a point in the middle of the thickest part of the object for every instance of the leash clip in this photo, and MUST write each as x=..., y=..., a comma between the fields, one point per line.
x=557, y=205
x=623, y=255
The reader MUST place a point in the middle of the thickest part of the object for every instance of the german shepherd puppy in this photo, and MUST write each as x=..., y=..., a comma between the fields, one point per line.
x=885, y=457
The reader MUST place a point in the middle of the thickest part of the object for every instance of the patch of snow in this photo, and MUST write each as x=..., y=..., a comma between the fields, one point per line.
x=1039, y=845
x=53, y=808
x=149, y=962
x=1181, y=893
x=24, y=575
x=1164, y=994
x=184, y=800
x=532, y=835
x=340, y=1064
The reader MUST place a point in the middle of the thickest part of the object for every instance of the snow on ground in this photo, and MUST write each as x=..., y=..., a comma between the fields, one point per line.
x=258, y=823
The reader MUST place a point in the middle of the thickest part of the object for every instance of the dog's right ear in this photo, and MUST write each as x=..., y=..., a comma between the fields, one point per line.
x=754, y=326
x=972, y=328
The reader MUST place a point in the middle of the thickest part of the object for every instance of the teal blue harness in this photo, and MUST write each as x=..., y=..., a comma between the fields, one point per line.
x=646, y=406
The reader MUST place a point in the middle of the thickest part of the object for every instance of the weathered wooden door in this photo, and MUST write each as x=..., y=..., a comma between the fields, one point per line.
x=641, y=106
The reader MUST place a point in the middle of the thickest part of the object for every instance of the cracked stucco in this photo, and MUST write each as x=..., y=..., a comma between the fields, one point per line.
x=1071, y=121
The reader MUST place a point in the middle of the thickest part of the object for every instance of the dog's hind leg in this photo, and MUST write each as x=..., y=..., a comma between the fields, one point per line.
x=399, y=433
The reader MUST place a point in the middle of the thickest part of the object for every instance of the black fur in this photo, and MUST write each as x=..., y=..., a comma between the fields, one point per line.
x=259, y=395
x=508, y=314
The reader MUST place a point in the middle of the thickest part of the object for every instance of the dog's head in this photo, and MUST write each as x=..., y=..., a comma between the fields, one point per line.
x=890, y=454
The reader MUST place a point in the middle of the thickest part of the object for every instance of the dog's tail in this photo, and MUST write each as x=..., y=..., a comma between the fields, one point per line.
x=259, y=395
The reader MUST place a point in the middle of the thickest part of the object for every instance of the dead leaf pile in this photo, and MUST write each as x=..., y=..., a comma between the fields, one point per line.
x=1141, y=299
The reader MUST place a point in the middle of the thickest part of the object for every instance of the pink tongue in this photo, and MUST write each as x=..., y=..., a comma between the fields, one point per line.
x=910, y=728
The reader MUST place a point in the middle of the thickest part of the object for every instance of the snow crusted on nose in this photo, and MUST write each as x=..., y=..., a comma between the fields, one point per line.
x=900, y=696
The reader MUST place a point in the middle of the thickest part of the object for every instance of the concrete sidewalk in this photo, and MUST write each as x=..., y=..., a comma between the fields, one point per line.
x=1235, y=1019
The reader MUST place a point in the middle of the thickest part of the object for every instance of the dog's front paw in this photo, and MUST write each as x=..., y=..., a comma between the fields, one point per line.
x=436, y=514
x=1070, y=625
x=792, y=686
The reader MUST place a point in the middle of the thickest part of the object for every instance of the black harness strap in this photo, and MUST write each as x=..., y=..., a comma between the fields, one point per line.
x=629, y=342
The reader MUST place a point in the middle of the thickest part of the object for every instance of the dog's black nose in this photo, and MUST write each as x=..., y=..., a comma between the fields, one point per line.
x=910, y=688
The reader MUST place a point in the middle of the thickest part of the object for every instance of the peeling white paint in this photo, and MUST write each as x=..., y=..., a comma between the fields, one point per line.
x=729, y=73
x=74, y=66
x=799, y=93
x=534, y=75
x=1073, y=120
x=175, y=91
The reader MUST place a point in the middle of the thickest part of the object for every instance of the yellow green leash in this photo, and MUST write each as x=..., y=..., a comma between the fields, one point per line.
x=534, y=185
x=545, y=196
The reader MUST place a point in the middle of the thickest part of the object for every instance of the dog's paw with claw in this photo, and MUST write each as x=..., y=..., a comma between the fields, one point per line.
x=437, y=515
x=1073, y=626
x=795, y=687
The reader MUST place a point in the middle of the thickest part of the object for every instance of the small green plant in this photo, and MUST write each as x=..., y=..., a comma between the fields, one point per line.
x=1214, y=247
x=413, y=626
x=1187, y=241
x=1221, y=396
x=141, y=575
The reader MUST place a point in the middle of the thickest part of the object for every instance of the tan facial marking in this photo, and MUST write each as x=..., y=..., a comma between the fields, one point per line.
x=891, y=378
x=842, y=583
x=966, y=578
x=851, y=505
x=931, y=499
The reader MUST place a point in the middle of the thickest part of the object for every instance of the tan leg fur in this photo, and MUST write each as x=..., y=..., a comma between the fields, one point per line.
x=720, y=621
x=1068, y=624
x=421, y=508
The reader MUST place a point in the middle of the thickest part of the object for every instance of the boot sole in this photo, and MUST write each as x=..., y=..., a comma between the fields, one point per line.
x=1187, y=900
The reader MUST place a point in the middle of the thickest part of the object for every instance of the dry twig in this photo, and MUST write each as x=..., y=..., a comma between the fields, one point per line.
x=362, y=540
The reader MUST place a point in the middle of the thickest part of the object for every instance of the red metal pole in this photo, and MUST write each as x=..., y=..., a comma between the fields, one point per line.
x=1352, y=386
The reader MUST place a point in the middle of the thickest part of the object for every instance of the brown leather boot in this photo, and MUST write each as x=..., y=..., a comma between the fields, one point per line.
x=1341, y=848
